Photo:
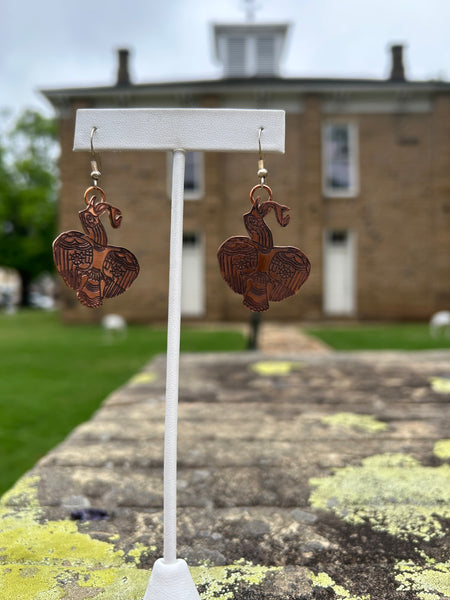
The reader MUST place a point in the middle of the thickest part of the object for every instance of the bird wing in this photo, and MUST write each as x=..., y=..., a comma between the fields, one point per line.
x=120, y=269
x=73, y=254
x=288, y=271
x=238, y=258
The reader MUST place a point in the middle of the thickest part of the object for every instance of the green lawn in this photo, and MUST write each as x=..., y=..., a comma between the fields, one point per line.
x=408, y=336
x=53, y=377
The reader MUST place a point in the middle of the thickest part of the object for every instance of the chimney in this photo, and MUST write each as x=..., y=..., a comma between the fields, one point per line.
x=123, y=76
x=397, y=69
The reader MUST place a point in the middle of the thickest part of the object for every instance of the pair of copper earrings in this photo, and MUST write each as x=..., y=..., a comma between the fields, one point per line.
x=252, y=266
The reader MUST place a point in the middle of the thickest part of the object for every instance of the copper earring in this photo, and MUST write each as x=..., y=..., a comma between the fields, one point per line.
x=86, y=261
x=253, y=266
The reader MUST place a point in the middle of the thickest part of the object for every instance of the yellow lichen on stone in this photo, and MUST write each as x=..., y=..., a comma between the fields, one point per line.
x=41, y=559
x=325, y=581
x=52, y=560
x=430, y=581
x=441, y=385
x=142, y=379
x=22, y=495
x=138, y=551
x=392, y=492
x=129, y=584
x=348, y=420
x=269, y=368
x=223, y=583
x=442, y=449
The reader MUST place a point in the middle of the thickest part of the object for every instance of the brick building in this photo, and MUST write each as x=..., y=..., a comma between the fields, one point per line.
x=366, y=174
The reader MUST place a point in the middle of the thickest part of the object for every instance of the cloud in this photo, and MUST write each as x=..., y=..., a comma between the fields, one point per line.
x=57, y=44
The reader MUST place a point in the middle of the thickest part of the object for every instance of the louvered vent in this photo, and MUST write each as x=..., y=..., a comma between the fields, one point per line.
x=265, y=55
x=236, y=63
x=250, y=50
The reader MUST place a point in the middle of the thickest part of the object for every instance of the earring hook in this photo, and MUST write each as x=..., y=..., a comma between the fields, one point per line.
x=93, y=130
x=259, y=143
x=95, y=161
x=262, y=171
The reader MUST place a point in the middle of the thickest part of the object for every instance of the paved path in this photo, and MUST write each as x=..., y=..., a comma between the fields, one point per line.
x=278, y=339
x=326, y=471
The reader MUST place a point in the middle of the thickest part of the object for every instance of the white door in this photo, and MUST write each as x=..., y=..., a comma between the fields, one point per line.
x=339, y=273
x=192, y=281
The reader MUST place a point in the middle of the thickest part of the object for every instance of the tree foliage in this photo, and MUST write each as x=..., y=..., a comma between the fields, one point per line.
x=28, y=186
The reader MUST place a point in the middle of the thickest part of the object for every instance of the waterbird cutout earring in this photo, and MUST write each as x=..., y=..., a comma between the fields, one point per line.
x=253, y=266
x=86, y=261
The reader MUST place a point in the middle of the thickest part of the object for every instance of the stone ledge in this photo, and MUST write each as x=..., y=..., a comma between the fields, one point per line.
x=309, y=478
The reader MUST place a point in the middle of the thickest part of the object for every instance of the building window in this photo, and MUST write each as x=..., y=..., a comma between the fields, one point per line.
x=193, y=176
x=339, y=159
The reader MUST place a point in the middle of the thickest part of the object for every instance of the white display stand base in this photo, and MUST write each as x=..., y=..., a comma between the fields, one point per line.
x=171, y=581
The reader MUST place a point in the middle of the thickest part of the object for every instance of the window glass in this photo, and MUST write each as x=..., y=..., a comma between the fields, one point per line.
x=337, y=237
x=339, y=160
x=193, y=175
x=190, y=175
x=190, y=239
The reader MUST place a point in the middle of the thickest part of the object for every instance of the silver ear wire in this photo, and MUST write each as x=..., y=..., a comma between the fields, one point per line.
x=95, y=161
x=262, y=171
x=261, y=129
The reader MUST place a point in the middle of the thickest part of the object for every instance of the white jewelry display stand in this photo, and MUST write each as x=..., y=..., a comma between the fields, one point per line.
x=179, y=131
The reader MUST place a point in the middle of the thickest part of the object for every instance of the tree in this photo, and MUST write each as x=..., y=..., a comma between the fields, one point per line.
x=28, y=186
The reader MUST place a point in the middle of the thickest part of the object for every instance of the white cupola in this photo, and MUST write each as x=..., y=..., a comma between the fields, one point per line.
x=250, y=50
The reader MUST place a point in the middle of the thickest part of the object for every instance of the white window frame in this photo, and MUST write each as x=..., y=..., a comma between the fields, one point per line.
x=198, y=191
x=352, y=189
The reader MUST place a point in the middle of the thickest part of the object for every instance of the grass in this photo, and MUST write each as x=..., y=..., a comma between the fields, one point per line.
x=53, y=377
x=407, y=336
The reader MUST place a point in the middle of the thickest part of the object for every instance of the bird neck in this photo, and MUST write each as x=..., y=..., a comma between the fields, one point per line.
x=93, y=227
x=258, y=231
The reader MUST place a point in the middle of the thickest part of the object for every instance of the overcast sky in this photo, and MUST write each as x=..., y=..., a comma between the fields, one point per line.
x=59, y=43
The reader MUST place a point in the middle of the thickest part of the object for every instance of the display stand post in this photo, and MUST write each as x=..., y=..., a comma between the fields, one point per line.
x=178, y=131
x=173, y=359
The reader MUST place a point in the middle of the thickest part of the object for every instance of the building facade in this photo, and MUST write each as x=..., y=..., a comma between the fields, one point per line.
x=366, y=174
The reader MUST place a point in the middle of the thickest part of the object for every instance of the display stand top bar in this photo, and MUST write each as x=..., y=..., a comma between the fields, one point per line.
x=187, y=129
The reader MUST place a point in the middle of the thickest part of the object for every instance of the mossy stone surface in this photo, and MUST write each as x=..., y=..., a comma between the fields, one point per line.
x=316, y=478
x=393, y=492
